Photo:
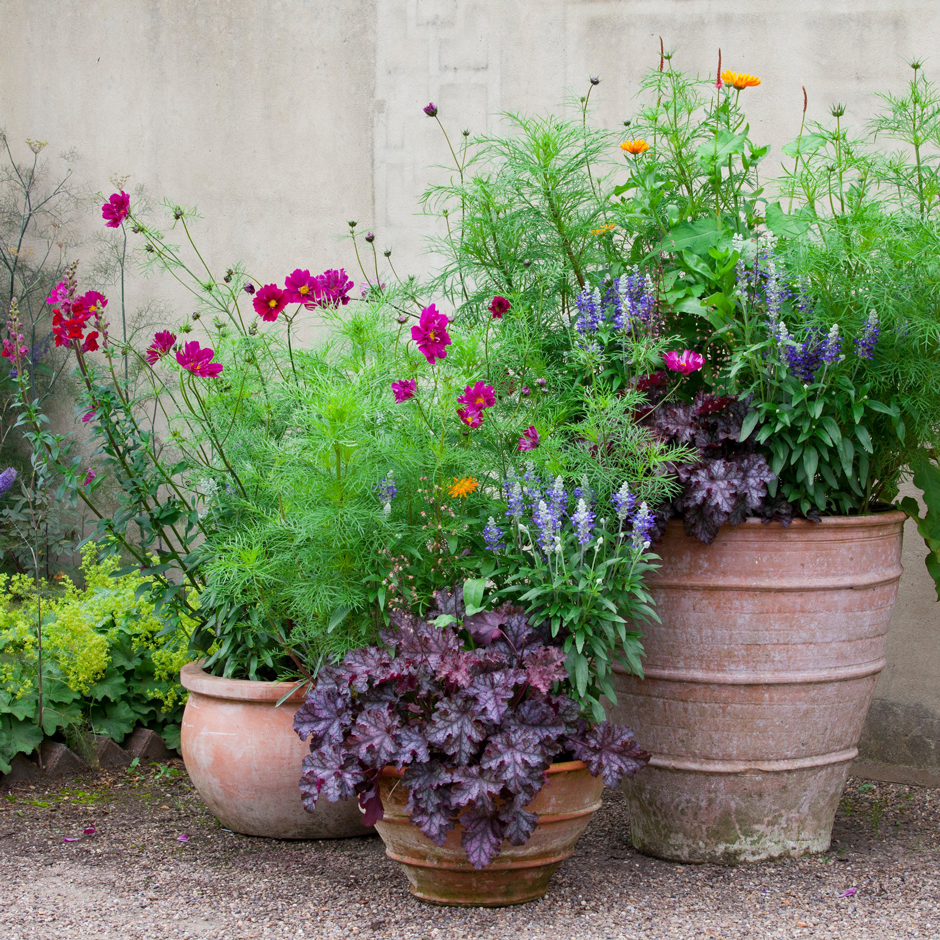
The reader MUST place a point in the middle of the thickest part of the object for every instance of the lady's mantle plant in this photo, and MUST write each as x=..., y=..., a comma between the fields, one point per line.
x=473, y=729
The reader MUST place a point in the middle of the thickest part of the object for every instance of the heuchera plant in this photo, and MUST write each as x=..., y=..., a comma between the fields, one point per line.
x=730, y=481
x=473, y=719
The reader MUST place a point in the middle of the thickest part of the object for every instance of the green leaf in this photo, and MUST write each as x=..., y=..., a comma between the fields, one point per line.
x=783, y=225
x=699, y=235
x=810, y=462
x=112, y=686
x=748, y=425
x=473, y=589
x=861, y=432
x=337, y=617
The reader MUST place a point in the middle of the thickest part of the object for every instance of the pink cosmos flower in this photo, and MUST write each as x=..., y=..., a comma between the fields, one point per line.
x=161, y=345
x=301, y=287
x=431, y=334
x=116, y=209
x=685, y=362
x=269, y=302
x=499, y=306
x=404, y=389
x=478, y=396
x=334, y=289
x=197, y=360
x=529, y=439
x=471, y=417
x=430, y=109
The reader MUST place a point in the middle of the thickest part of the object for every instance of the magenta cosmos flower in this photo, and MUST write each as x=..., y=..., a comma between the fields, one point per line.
x=478, y=396
x=116, y=209
x=529, y=439
x=499, y=306
x=685, y=362
x=161, y=345
x=471, y=417
x=269, y=302
x=197, y=360
x=430, y=109
x=431, y=334
x=404, y=389
x=301, y=287
x=334, y=288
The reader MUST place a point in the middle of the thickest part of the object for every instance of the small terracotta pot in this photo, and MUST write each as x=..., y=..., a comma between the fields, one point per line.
x=758, y=680
x=443, y=874
x=244, y=758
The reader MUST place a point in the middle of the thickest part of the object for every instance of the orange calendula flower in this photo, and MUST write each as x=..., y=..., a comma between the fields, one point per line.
x=463, y=487
x=739, y=80
x=604, y=229
x=635, y=147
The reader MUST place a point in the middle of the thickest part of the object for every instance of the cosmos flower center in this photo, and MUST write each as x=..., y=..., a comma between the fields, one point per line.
x=304, y=289
x=272, y=303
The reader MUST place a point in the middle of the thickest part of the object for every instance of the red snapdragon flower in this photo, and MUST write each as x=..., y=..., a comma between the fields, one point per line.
x=404, y=390
x=431, y=334
x=301, y=287
x=116, y=209
x=529, y=439
x=197, y=360
x=471, y=417
x=269, y=302
x=70, y=326
x=499, y=306
x=161, y=345
x=478, y=396
x=684, y=362
x=91, y=342
x=59, y=295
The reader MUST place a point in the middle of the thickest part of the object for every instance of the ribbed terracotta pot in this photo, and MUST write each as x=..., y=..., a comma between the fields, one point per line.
x=758, y=681
x=244, y=758
x=443, y=874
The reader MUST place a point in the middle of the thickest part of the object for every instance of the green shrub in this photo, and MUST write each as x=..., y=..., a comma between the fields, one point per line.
x=100, y=661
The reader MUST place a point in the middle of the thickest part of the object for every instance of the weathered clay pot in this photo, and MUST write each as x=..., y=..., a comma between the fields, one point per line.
x=757, y=684
x=244, y=758
x=519, y=873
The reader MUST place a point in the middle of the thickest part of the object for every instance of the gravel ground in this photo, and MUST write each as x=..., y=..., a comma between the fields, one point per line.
x=132, y=877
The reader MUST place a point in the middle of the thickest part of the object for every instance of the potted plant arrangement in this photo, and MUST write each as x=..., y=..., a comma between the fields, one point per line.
x=475, y=767
x=795, y=348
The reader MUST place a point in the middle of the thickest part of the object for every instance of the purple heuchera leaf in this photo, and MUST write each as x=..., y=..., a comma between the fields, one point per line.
x=610, y=750
x=493, y=690
x=370, y=801
x=519, y=758
x=429, y=800
x=457, y=728
x=482, y=836
x=372, y=736
x=475, y=786
x=519, y=824
x=544, y=666
x=331, y=771
x=411, y=745
x=323, y=717
x=362, y=664
x=459, y=668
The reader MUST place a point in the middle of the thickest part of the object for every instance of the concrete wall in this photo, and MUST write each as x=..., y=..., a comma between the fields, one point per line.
x=282, y=119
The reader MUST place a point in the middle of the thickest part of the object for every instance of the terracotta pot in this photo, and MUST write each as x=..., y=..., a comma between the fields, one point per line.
x=757, y=684
x=519, y=873
x=244, y=758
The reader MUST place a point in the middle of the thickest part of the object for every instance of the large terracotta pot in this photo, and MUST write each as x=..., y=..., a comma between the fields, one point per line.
x=244, y=758
x=758, y=681
x=519, y=873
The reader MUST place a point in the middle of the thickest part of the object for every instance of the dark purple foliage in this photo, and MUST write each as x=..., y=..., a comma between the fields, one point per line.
x=473, y=731
x=730, y=482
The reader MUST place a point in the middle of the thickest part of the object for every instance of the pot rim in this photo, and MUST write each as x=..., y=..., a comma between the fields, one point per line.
x=195, y=679
x=886, y=517
x=567, y=766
